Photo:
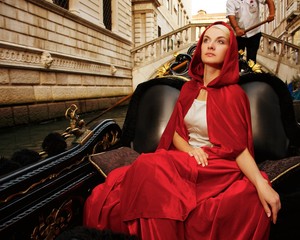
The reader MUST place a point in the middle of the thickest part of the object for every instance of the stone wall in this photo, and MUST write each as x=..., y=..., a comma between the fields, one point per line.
x=51, y=58
x=149, y=16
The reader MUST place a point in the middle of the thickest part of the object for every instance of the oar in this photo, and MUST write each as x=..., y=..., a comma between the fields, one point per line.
x=177, y=67
x=255, y=26
x=106, y=110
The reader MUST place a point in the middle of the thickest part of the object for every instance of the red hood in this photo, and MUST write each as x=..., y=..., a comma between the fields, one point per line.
x=230, y=70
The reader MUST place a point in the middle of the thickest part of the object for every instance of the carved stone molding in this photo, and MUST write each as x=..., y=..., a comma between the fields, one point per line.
x=33, y=59
x=19, y=58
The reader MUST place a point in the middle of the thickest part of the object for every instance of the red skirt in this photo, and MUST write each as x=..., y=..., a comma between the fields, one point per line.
x=167, y=195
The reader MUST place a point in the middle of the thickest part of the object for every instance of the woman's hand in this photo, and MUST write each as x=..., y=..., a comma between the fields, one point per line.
x=269, y=199
x=267, y=195
x=199, y=155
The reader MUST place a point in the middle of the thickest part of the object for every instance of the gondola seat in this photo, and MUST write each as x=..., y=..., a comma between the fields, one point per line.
x=276, y=136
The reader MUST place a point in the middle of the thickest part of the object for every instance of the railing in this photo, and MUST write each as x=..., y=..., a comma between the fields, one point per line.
x=280, y=51
x=167, y=44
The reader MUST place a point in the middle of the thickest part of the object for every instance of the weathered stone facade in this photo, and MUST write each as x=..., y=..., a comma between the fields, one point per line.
x=286, y=24
x=51, y=57
x=151, y=19
x=87, y=64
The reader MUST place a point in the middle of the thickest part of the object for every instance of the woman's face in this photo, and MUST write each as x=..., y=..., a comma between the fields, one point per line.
x=214, y=47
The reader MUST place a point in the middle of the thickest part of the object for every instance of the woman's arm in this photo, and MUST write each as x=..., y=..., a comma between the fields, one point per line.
x=267, y=195
x=182, y=145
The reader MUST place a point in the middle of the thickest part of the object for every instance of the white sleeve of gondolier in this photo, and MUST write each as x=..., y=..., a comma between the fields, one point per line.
x=232, y=7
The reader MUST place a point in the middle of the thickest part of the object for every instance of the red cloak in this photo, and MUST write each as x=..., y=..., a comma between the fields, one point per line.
x=166, y=195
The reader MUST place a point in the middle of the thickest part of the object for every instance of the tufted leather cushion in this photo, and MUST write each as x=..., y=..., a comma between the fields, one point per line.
x=279, y=170
x=108, y=161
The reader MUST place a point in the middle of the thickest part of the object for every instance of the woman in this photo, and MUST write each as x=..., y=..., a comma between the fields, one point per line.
x=202, y=182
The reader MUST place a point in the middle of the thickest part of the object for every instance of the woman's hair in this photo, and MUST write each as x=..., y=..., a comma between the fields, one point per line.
x=222, y=28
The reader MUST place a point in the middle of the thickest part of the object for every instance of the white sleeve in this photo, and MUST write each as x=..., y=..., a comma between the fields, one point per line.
x=230, y=8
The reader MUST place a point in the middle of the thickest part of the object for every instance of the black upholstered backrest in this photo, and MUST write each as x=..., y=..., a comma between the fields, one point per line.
x=270, y=140
x=154, y=112
x=149, y=111
x=273, y=121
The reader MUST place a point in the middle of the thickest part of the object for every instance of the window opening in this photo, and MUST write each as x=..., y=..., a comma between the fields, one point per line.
x=107, y=14
x=62, y=3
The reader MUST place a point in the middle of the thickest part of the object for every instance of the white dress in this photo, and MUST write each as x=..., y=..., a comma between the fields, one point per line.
x=196, y=124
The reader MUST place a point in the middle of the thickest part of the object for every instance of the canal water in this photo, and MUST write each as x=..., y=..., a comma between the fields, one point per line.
x=32, y=136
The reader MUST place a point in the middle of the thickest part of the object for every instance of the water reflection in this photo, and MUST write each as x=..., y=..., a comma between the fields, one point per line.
x=32, y=136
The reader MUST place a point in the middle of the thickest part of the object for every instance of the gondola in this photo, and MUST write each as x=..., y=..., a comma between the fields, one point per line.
x=46, y=198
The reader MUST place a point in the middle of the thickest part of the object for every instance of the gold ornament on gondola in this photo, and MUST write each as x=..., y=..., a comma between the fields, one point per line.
x=165, y=69
x=254, y=66
x=77, y=126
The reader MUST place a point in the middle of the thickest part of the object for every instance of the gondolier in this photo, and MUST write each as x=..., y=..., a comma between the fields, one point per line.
x=242, y=15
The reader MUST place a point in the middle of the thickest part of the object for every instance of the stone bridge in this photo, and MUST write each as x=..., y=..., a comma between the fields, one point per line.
x=275, y=55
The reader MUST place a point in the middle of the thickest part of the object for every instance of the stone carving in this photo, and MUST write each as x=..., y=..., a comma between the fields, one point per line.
x=113, y=70
x=46, y=59
x=27, y=58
